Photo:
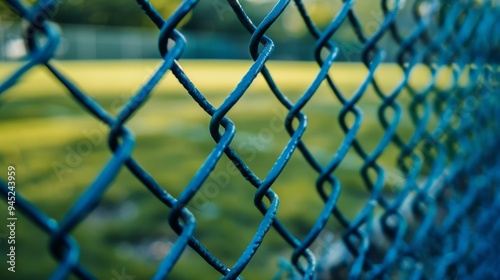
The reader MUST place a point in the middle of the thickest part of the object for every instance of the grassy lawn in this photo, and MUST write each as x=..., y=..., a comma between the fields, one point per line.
x=43, y=127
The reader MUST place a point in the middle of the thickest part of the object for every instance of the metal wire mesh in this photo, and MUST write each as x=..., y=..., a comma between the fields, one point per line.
x=450, y=215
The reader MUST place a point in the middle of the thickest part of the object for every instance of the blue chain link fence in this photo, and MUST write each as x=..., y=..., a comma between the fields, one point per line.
x=441, y=222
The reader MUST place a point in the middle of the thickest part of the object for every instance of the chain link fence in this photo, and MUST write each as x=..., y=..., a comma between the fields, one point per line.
x=441, y=221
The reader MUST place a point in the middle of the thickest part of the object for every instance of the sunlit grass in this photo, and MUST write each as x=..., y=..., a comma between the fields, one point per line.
x=42, y=125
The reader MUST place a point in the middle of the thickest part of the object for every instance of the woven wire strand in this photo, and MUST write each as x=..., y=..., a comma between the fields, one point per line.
x=460, y=150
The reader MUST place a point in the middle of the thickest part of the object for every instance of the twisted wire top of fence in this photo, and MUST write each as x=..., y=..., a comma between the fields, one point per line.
x=441, y=222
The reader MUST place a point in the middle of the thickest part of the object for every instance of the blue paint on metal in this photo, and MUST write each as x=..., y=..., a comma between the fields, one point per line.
x=461, y=151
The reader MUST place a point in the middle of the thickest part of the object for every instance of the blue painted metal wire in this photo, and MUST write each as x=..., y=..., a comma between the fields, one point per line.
x=460, y=153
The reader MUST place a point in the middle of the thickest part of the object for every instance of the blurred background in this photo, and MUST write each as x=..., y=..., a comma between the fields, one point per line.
x=109, y=49
x=117, y=30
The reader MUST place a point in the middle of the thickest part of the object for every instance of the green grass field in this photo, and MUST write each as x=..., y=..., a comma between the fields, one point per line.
x=43, y=128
